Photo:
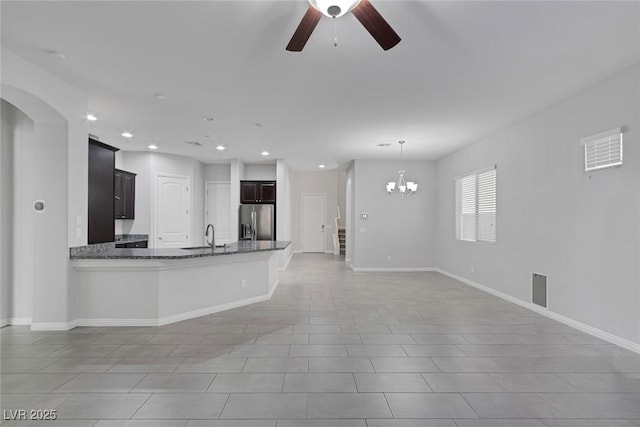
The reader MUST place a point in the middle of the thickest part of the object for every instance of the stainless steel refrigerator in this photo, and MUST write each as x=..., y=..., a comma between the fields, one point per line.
x=257, y=222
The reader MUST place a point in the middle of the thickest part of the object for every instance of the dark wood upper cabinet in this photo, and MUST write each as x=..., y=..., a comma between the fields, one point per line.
x=267, y=192
x=124, y=194
x=248, y=192
x=252, y=192
x=102, y=160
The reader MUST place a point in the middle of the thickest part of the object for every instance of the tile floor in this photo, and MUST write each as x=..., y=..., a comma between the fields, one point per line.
x=332, y=348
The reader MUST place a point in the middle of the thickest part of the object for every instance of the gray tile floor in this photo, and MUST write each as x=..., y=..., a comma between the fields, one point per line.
x=332, y=348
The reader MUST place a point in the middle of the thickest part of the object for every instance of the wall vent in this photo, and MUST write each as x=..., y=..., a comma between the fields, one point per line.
x=603, y=150
x=539, y=289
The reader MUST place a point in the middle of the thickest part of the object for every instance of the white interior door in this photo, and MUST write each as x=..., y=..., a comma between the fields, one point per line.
x=313, y=226
x=218, y=210
x=172, y=211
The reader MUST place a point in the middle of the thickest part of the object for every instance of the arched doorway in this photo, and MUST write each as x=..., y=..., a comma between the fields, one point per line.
x=34, y=203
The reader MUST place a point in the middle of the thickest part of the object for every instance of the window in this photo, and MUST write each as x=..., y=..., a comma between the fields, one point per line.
x=603, y=150
x=476, y=207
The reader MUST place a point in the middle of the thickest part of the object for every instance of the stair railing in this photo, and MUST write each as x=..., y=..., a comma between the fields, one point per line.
x=336, y=239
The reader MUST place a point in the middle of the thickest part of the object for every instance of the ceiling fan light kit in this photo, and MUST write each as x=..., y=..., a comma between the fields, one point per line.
x=334, y=8
x=364, y=12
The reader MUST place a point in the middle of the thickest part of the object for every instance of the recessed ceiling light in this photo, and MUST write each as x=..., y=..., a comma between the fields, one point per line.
x=321, y=166
x=152, y=147
x=57, y=54
x=265, y=153
x=127, y=134
x=221, y=147
x=91, y=117
x=207, y=118
x=161, y=96
x=193, y=143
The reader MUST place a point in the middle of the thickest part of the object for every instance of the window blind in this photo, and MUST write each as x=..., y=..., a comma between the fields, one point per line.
x=476, y=207
x=603, y=150
x=466, y=208
x=487, y=206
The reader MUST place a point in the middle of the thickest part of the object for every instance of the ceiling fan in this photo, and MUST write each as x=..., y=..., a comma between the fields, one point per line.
x=364, y=11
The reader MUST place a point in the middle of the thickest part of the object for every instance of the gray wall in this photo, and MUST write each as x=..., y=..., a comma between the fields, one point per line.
x=35, y=273
x=6, y=209
x=580, y=229
x=399, y=233
x=342, y=197
x=17, y=217
x=147, y=165
x=260, y=172
x=283, y=202
x=283, y=211
x=217, y=172
x=314, y=183
x=349, y=210
x=59, y=158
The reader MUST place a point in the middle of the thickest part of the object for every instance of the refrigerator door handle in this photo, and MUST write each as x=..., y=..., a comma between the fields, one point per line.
x=254, y=228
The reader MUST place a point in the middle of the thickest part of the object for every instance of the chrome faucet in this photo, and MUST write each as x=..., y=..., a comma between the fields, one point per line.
x=211, y=243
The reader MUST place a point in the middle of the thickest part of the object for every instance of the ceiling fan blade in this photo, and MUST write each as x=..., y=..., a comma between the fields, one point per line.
x=304, y=30
x=373, y=22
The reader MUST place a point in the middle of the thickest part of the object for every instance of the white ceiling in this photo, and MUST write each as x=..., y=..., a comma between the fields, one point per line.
x=462, y=70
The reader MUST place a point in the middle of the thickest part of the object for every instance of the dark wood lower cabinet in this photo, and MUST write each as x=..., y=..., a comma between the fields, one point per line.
x=142, y=244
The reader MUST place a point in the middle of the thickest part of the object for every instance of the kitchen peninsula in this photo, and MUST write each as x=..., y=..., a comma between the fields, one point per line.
x=157, y=286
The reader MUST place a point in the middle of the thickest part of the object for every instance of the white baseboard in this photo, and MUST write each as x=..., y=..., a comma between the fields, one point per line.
x=176, y=317
x=54, y=326
x=286, y=264
x=274, y=288
x=19, y=321
x=598, y=333
x=98, y=323
x=391, y=269
x=173, y=318
x=210, y=310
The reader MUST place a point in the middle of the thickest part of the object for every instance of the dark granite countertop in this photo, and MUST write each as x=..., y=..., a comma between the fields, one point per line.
x=109, y=251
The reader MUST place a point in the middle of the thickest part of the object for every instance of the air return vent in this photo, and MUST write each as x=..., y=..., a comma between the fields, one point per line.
x=539, y=289
x=603, y=150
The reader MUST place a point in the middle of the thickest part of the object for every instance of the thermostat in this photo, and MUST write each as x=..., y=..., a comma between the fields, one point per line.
x=40, y=206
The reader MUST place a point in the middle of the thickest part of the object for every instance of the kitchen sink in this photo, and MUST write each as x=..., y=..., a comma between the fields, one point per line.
x=193, y=248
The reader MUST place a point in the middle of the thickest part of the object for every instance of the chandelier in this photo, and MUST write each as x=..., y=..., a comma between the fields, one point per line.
x=400, y=186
